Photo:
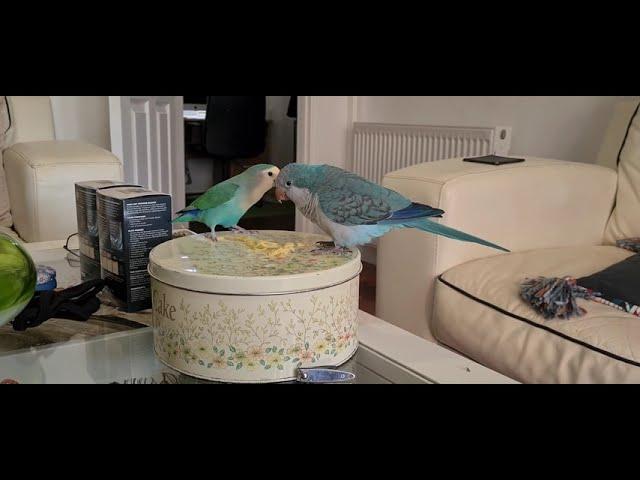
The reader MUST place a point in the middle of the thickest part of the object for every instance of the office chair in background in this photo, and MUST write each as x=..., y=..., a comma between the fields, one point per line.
x=235, y=128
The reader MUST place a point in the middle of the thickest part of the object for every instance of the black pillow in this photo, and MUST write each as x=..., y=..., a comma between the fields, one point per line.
x=620, y=281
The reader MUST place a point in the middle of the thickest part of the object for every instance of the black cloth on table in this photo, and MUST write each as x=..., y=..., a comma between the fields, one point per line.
x=75, y=303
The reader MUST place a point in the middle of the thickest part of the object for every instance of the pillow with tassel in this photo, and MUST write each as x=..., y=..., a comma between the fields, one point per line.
x=617, y=286
x=619, y=283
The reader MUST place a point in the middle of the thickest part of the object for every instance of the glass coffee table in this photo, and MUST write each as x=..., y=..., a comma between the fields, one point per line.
x=117, y=348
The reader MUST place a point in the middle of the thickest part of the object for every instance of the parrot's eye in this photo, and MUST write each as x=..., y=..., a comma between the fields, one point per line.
x=270, y=174
x=289, y=183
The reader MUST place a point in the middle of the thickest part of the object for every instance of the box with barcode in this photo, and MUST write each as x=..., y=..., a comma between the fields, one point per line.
x=132, y=221
x=87, y=214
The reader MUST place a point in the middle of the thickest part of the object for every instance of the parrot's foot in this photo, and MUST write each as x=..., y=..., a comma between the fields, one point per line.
x=329, y=248
x=209, y=236
x=183, y=232
x=326, y=245
x=238, y=229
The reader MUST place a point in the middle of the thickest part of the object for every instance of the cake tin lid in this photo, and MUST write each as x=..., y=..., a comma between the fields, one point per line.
x=269, y=262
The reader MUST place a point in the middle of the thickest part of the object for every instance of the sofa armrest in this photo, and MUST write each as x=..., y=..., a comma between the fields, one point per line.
x=41, y=179
x=540, y=203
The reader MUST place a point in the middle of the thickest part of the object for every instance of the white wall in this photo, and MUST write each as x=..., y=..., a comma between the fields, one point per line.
x=82, y=118
x=567, y=128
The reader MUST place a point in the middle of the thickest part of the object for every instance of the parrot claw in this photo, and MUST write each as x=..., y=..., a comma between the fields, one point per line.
x=326, y=245
x=329, y=248
x=183, y=232
x=238, y=230
x=209, y=236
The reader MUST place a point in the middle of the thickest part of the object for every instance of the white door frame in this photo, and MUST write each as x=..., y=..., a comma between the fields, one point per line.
x=161, y=165
x=325, y=125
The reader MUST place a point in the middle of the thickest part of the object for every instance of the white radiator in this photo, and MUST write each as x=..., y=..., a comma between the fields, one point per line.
x=382, y=148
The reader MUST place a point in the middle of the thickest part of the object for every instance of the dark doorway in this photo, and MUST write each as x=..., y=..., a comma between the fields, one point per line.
x=225, y=135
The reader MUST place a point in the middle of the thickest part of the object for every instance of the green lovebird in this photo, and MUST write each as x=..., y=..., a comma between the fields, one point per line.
x=226, y=203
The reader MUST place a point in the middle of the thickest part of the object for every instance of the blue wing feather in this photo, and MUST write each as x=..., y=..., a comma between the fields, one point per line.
x=350, y=200
x=415, y=210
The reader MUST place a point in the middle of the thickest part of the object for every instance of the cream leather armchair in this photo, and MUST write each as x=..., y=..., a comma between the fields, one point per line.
x=559, y=219
x=41, y=171
x=537, y=204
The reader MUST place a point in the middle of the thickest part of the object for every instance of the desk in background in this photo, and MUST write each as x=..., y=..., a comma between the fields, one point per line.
x=195, y=115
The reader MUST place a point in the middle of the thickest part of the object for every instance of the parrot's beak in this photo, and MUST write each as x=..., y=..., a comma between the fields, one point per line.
x=281, y=195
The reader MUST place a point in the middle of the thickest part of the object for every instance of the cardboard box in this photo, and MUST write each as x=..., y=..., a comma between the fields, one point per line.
x=87, y=214
x=132, y=221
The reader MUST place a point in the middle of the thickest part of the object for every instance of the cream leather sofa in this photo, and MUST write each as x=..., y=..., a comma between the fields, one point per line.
x=558, y=218
x=37, y=202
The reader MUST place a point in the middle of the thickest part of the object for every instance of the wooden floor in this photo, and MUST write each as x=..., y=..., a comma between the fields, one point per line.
x=368, y=288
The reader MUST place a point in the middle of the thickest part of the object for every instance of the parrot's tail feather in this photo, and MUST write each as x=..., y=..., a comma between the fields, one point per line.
x=438, y=229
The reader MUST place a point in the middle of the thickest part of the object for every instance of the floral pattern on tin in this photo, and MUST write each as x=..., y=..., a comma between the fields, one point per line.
x=274, y=336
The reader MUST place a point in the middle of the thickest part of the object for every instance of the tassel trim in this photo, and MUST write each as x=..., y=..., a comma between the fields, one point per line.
x=556, y=297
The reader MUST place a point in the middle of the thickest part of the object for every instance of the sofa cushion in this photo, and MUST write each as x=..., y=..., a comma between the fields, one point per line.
x=5, y=123
x=32, y=118
x=8, y=231
x=42, y=177
x=479, y=312
x=5, y=131
x=5, y=210
x=625, y=220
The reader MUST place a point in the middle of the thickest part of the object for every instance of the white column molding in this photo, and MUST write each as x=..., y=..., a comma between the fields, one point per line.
x=324, y=135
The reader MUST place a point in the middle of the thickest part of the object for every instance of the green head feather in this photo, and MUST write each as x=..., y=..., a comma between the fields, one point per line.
x=258, y=168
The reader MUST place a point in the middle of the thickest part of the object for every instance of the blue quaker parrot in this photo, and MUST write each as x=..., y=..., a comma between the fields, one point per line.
x=353, y=211
x=227, y=202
